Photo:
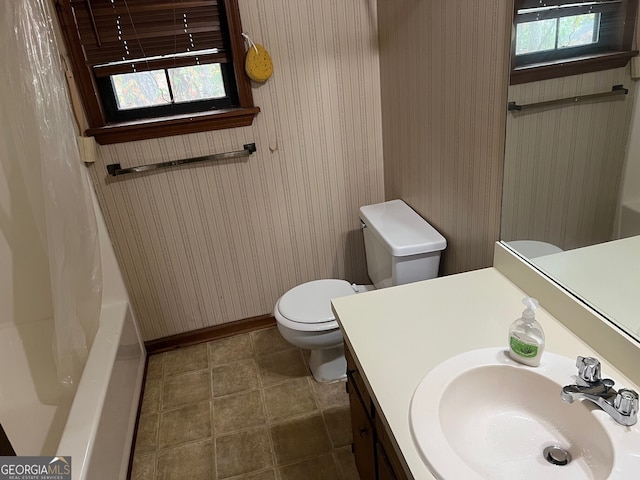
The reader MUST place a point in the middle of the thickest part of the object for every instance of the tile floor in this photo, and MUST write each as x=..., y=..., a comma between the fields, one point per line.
x=243, y=407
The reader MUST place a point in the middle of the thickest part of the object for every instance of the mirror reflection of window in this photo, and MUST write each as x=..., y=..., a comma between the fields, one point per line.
x=556, y=38
x=557, y=33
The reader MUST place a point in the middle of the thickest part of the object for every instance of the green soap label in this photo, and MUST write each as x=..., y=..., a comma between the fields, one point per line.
x=524, y=349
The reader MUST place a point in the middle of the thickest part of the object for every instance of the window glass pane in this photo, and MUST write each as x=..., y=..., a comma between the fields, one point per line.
x=141, y=89
x=536, y=36
x=199, y=82
x=578, y=30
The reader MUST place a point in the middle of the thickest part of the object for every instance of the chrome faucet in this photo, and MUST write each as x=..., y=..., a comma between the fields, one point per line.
x=621, y=405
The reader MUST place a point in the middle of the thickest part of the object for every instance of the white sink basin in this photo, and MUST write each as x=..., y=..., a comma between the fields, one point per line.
x=480, y=415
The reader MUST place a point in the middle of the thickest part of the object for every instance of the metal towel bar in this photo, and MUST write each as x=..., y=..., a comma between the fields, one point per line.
x=114, y=168
x=615, y=90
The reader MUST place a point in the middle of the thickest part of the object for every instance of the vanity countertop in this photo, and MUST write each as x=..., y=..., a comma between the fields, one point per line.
x=399, y=334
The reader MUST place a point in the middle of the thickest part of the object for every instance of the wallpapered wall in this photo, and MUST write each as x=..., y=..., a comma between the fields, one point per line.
x=212, y=243
x=564, y=164
x=444, y=67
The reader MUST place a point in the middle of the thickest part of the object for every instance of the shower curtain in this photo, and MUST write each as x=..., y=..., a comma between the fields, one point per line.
x=35, y=101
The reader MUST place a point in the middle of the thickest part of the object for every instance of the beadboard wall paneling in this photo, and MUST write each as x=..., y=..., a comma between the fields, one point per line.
x=564, y=164
x=631, y=175
x=444, y=74
x=208, y=244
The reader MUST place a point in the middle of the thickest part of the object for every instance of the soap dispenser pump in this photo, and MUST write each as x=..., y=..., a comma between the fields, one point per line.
x=526, y=338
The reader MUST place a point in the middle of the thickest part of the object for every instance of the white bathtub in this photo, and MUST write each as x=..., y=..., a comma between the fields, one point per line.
x=99, y=429
x=94, y=426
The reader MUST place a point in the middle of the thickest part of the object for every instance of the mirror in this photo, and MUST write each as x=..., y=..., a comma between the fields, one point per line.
x=571, y=192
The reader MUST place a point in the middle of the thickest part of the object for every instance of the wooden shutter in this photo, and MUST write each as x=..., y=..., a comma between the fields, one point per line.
x=122, y=36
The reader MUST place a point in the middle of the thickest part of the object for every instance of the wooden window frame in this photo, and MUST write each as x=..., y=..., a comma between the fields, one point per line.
x=617, y=57
x=106, y=132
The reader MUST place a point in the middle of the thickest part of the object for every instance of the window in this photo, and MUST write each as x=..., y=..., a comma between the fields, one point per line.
x=565, y=37
x=147, y=69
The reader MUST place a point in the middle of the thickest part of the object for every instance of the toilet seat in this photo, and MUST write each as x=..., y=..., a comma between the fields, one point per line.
x=307, y=307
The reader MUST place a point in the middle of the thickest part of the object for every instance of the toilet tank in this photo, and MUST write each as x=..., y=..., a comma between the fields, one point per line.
x=401, y=247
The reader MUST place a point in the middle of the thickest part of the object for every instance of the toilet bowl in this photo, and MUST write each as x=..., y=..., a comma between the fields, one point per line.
x=400, y=247
x=534, y=248
x=305, y=319
x=630, y=219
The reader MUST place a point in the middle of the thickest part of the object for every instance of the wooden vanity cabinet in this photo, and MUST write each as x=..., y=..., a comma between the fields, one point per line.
x=376, y=458
x=363, y=439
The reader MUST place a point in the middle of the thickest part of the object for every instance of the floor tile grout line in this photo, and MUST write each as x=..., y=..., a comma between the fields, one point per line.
x=274, y=460
x=214, y=447
x=156, y=468
x=210, y=367
x=179, y=445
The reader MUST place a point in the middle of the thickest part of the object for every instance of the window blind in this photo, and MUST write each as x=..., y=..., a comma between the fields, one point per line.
x=532, y=10
x=522, y=4
x=123, y=36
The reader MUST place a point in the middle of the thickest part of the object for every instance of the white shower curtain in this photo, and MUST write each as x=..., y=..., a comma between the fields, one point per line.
x=34, y=97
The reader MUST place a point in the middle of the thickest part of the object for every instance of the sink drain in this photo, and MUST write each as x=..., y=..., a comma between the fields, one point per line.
x=556, y=455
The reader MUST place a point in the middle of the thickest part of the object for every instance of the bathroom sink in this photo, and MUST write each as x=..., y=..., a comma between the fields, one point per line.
x=481, y=415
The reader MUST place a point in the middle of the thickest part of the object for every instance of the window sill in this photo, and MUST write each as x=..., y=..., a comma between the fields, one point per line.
x=177, y=125
x=574, y=66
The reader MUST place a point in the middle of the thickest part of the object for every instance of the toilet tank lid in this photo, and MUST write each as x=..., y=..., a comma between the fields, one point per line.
x=401, y=230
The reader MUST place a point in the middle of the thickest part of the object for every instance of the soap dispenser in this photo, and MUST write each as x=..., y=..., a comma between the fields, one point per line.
x=526, y=338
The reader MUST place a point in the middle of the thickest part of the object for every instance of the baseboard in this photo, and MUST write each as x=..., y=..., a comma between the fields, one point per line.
x=208, y=334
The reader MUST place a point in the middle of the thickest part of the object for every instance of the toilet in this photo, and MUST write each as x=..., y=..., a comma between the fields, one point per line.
x=629, y=219
x=400, y=247
x=534, y=248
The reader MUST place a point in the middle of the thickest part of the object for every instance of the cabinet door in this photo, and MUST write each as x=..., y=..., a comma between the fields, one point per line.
x=388, y=461
x=363, y=441
x=356, y=381
x=385, y=471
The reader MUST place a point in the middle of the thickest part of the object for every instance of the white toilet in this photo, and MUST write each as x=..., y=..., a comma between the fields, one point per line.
x=534, y=248
x=400, y=246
